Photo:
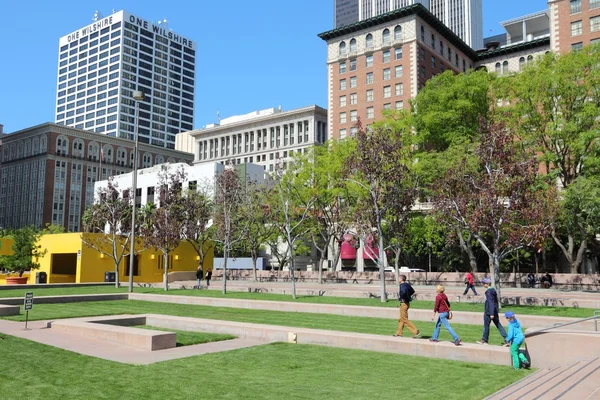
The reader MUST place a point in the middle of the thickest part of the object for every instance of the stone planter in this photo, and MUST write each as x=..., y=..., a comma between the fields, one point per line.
x=16, y=280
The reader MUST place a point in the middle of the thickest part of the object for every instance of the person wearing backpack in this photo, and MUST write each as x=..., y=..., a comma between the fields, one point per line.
x=442, y=307
x=405, y=297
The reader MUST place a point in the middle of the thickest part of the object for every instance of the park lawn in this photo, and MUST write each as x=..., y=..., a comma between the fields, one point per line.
x=380, y=326
x=188, y=338
x=270, y=372
x=354, y=301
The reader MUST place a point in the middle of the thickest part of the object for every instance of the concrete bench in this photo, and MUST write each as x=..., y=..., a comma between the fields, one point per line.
x=118, y=330
x=6, y=310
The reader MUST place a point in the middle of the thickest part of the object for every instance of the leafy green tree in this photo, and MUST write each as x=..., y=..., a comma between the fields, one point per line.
x=26, y=251
x=197, y=222
x=554, y=107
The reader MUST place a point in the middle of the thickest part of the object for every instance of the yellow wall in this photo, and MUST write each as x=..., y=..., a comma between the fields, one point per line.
x=92, y=264
x=6, y=246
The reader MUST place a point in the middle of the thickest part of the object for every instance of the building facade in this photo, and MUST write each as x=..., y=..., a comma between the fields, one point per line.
x=574, y=24
x=264, y=137
x=463, y=17
x=100, y=65
x=48, y=172
x=382, y=63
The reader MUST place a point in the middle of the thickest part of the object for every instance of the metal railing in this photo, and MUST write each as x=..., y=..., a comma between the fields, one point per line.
x=561, y=325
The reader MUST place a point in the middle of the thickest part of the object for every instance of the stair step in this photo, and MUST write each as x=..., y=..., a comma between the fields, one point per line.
x=564, y=382
x=517, y=386
x=584, y=384
x=538, y=383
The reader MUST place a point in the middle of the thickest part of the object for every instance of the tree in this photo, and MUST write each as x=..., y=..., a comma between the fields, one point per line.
x=26, y=251
x=163, y=226
x=554, y=106
x=198, y=209
x=107, y=224
x=379, y=169
x=324, y=168
x=290, y=210
x=500, y=200
x=231, y=227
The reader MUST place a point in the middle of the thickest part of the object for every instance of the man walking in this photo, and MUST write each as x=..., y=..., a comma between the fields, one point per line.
x=199, y=274
x=405, y=297
x=490, y=313
x=208, y=276
x=470, y=284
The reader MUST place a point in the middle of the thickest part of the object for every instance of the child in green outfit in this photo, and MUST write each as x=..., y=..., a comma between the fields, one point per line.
x=514, y=339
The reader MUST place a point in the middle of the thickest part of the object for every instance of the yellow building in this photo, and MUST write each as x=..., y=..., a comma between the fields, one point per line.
x=69, y=260
x=6, y=250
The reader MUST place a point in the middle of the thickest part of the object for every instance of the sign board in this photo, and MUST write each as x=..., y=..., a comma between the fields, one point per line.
x=28, y=301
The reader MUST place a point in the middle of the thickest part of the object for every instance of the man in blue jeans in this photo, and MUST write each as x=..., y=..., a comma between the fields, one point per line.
x=490, y=313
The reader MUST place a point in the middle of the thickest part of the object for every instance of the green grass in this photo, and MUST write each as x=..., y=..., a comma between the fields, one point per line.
x=188, y=338
x=34, y=371
x=381, y=326
x=371, y=302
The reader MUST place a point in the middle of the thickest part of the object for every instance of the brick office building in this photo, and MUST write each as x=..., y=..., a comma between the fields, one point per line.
x=574, y=24
x=48, y=172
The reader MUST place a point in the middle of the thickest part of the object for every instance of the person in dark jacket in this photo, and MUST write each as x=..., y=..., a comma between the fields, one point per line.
x=442, y=307
x=405, y=297
x=199, y=275
x=490, y=313
x=531, y=280
x=208, y=276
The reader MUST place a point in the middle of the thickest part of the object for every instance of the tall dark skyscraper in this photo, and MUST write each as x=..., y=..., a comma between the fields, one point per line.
x=345, y=12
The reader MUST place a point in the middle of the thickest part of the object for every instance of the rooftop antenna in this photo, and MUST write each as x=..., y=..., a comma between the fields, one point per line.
x=164, y=23
x=97, y=15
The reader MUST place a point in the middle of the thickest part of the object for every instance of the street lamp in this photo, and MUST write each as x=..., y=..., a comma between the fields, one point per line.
x=429, y=246
x=138, y=96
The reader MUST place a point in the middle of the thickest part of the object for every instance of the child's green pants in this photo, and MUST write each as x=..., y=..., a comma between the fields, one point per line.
x=517, y=356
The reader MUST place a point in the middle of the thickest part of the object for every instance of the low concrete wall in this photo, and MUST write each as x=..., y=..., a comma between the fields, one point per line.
x=52, y=285
x=562, y=281
x=460, y=317
x=468, y=352
x=561, y=347
x=76, y=298
x=6, y=310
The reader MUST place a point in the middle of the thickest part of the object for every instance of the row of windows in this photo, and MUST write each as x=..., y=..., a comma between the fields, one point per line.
x=577, y=26
x=370, y=78
x=369, y=96
x=576, y=5
x=385, y=36
x=399, y=105
x=385, y=58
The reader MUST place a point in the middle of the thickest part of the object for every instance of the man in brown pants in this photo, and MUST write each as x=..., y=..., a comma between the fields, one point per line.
x=405, y=296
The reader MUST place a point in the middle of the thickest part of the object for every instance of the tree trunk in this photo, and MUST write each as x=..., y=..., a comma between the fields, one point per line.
x=225, y=256
x=495, y=264
x=292, y=265
x=380, y=258
x=166, y=278
x=579, y=258
x=467, y=247
x=117, y=283
x=254, y=258
x=320, y=271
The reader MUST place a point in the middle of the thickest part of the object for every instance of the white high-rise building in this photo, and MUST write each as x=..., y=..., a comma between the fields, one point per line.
x=463, y=17
x=100, y=65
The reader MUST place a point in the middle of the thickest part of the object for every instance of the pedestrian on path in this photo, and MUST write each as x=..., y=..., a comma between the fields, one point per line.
x=514, y=339
x=442, y=307
x=208, y=276
x=199, y=275
x=490, y=312
x=469, y=281
x=405, y=297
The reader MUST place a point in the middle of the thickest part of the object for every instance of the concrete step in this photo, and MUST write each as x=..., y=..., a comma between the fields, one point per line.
x=579, y=384
x=523, y=389
x=519, y=386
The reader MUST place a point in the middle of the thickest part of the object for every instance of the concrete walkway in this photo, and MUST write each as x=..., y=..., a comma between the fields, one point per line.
x=519, y=296
x=39, y=332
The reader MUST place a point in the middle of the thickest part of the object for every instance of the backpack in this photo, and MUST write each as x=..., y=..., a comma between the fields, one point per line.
x=410, y=293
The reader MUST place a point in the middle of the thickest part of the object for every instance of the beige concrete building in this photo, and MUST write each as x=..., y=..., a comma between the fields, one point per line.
x=574, y=24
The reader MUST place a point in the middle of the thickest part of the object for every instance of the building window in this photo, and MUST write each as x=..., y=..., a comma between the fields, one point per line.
x=369, y=78
x=353, y=131
x=432, y=62
x=576, y=28
x=386, y=36
x=353, y=98
x=422, y=53
x=370, y=113
x=398, y=71
x=433, y=41
x=397, y=33
x=595, y=41
x=353, y=82
x=342, y=101
x=498, y=68
x=387, y=74
x=399, y=105
x=343, y=67
x=441, y=48
x=387, y=92
x=577, y=46
x=595, y=23
x=342, y=84
x=353, y=116
x=521, y=63
x=398, y=53
x=369, y=61
x=387, y=106
x=370, y=95
x=342, y=118
x=422, y=33
x=505, y=67
x=399, y=89
x=342, y=133
x=369, y=41
x=342, y=48
x=422, y=70
x=352, y=45
x=594, y=4
x=386, y=56
x=353, y=65
x=575, y=6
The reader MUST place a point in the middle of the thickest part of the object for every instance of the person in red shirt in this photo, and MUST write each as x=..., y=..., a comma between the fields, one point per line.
x=470, y=284
x=442, y=307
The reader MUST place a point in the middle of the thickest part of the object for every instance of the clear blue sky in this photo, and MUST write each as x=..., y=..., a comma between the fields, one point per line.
x=251, y=54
